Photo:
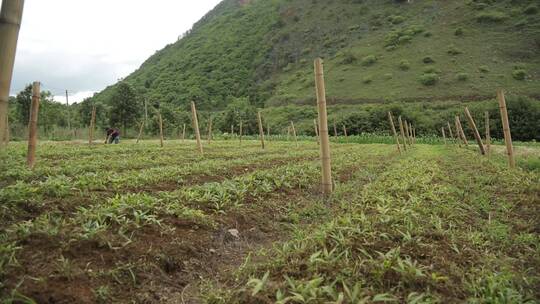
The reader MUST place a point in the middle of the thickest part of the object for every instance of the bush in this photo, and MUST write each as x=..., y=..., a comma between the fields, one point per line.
x=367, y=80
x=428, y=59
x=388, y=76
x=484, y=69
x=369, y=60
x=429, y=79
x=396, y=19
x=453, y=50
x=519, y=74
x=462, y=76
x=431, y=70
x=404, y=65
x=348, y=58
x=531, y=9
x=491, y=17
x=458, y=32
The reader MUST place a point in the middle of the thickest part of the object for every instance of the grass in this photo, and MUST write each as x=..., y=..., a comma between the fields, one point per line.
x=152, y=220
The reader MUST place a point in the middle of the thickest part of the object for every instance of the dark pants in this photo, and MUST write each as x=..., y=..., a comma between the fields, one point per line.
x=115, y=139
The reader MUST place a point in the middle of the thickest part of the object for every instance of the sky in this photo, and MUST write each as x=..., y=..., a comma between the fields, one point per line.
x=85, y=45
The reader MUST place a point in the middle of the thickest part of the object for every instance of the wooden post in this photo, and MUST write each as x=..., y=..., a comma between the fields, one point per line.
x=394, y=133
x=294, y=133
x=184, y=133
x=209, y=136
x=345, y=131
x=232, y=130
x=488, y=133
x=288, y=133
x=67, y=110
x=506, y=129
x=407, y=134
x=196, y=127
x=335, y=130
x=461, y=132
x=402, y=131
x=261, y=130
x=160, y=129
x=477, y=136
x=92, y=126
x=32, y=126
x=268, y=130
x=10, y=23
x=327, y=185
x=316, y=131
x=444, y=136
x=450, y=132
x=240, y=133
x=141, y=129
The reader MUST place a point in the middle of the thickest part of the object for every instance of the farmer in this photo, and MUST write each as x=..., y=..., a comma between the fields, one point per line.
x=113, y=135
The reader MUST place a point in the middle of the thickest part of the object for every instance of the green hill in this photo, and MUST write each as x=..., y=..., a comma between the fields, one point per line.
x=374, y=50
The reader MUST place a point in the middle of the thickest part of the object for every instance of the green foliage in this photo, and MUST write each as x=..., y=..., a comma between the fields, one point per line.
x=462, y=76
x=519, y=74
x=429, y=79
x=428, y=60
x=126, y=108
x=367, y=79
x=369, y=60
x=404, y=65
x=491, y=17
x=459, y=32
x=453, y=50
x=531, y=9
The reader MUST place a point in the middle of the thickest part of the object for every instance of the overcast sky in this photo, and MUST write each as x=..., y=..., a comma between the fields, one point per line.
x=85, y=45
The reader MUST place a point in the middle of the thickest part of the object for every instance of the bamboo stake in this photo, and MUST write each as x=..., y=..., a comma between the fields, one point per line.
x=32, y=126
x=92, y=126
x=141, y=128
x=345, y=131
x=323, y=128
x=160, y=129
x=316, y=131
x=10, y=23
x=488, y=134
x=411, y=134
x=407, y=134
x=451, y=133
x=477, y=136
x=184, y=133
x=261, y=130
x=461, y=132
x=240, y=133
x=209, y=136
x=402, y=131
x=393, y=127
x=67, y=111
x=506, y=129
x=268, y=130
x=444, y=136
x=232, y=130
x=196, y=127
x=335, y=130
x=294, y=133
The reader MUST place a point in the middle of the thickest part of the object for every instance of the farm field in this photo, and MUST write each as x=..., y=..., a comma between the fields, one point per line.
x=136, y=223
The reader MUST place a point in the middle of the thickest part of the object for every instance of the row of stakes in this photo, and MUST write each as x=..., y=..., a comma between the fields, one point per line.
x=406, y=137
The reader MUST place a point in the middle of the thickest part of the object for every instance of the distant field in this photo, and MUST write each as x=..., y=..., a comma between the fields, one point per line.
x=136, y=223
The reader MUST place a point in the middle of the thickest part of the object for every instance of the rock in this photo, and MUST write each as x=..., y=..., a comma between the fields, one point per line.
x=234, y=232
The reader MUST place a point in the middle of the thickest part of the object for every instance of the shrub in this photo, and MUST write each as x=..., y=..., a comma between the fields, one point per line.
x=367, y=80
x=396, y=19
x=453, y=50
x=404, y=65
x=428, y=59
x=429, y=79
x=484, y=69
x=388, y=76
x=519, y=74
x=462, y=76
x=458, y=32
x=491, y=17
x=531, y=9
x=431, y=70
x=369, y=60
x=348, y=58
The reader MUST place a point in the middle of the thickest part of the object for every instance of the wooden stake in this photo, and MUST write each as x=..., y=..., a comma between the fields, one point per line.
x=316, y=131
x=67, y=111
x=402, y=131
x=488, y=133
x=32, y=126
x=506, y=129
x=261, y=130
x=160, y=129
x=209, y=136
x=294, y=133
x=327, y=185
x=240, y=133
x=232, y=130
x=407, y=134
x=268, y=130
x=451, y=133
x=196, y=127
x=345, y=131
x=335, y=130
x=477, y=136
x=461, y=132
x=444, y=136
x=184, y=133
x=288, y=133
x=141, y=128
x=92, y=126
x=10, y=23
x=394, y=133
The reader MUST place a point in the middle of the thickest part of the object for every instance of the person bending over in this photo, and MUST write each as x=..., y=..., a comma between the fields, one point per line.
x=113, y=135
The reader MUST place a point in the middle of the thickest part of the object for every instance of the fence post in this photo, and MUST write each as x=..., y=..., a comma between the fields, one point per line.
x=335, y=130
x=506, y=129
x=92, y=126
x=323, y=128
x=261, y=130
x=240, y=133
x=444, y=136
x=345, y=131
x=140, y=132
x=32, y=126
x=160, y=129
x=402, y=131
x=488, y=134
x=393, y=127
x=472, y=124
x=461, y=132
x=451, y=133
x=184, y=133
x=294, y=133
x=209, y=136
x=196, y=127
x=407, y=134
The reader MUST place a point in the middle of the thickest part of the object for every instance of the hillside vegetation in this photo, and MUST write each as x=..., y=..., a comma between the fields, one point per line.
x=373, y=50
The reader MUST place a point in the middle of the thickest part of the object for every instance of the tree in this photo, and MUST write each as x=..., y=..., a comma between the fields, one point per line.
x=125, y=107
x=24, y=101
